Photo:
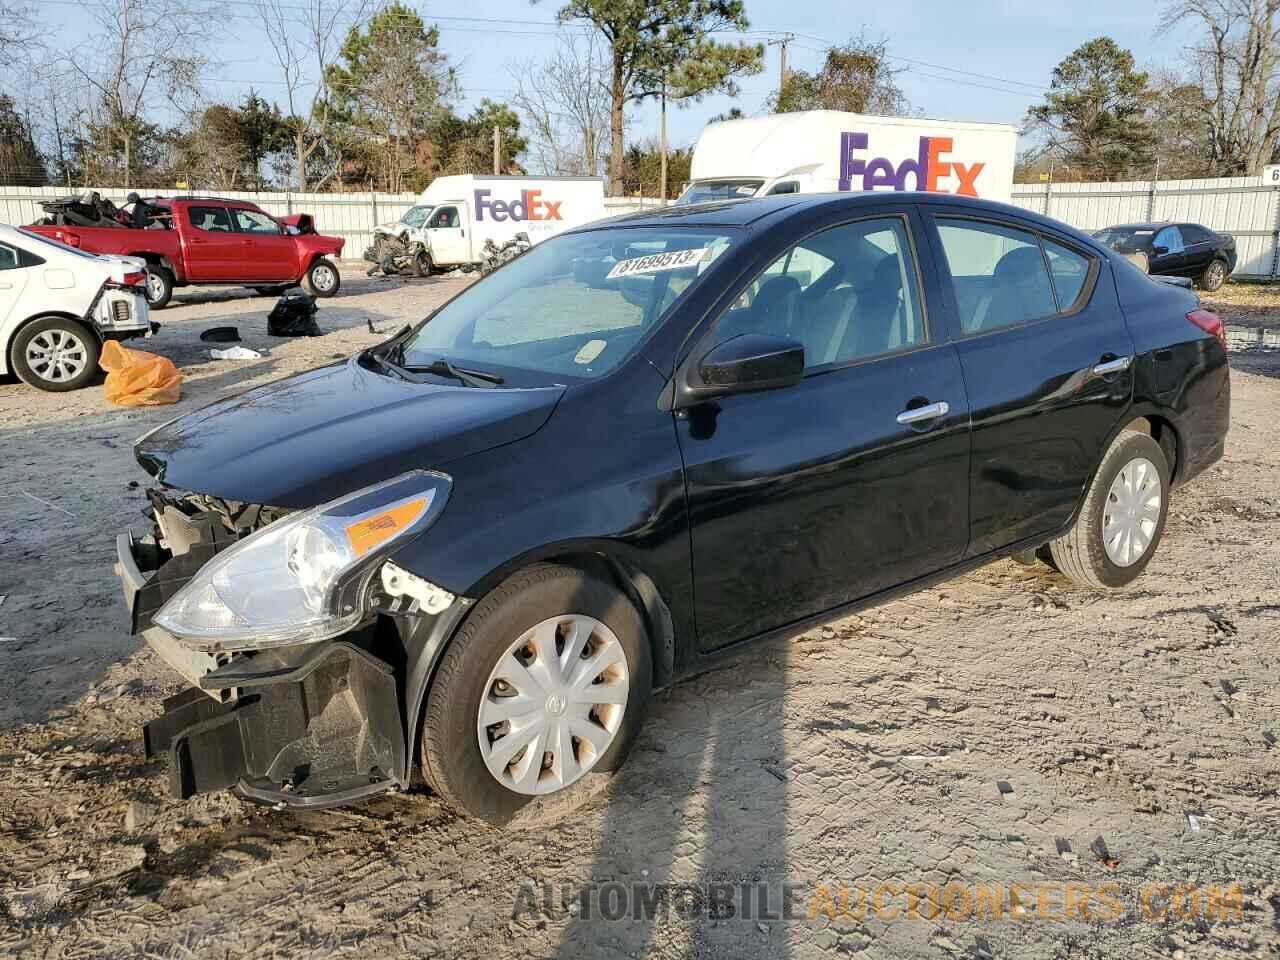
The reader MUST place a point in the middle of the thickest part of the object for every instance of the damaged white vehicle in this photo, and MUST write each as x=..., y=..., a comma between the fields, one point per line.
x=58, y=305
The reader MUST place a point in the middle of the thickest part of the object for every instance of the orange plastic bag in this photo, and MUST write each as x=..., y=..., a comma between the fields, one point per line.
x=139, y=379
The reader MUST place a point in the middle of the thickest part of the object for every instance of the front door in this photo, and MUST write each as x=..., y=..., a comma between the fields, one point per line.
x=1048, y=363
x=1168, y=253
x=269, y=254
x=447, y=233
x=214, y=251
x=854, y=480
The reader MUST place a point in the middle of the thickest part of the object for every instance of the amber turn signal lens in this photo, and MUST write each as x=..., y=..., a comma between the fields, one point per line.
x=369, y=532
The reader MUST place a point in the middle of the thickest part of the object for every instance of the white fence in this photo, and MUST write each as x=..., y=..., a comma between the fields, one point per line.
x=1244, y=207
x=351, y=216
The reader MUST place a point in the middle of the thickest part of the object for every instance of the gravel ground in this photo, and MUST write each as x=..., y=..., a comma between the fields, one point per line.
x=1004, y=728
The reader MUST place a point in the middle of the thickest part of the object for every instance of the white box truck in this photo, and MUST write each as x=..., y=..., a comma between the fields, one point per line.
x=823, y=150
x=466, y=210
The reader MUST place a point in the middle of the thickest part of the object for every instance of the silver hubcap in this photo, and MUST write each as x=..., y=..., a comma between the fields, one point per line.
x=1131, y=513
x=1215, y=273
x=553, y=704
x=323, y=278
x=57, y=355
x=155, y=287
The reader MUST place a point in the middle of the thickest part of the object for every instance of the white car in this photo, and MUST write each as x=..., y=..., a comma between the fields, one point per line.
x=58, y=305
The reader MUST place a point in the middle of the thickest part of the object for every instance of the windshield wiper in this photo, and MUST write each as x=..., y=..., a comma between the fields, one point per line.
x=464, y=375
x=390, y=367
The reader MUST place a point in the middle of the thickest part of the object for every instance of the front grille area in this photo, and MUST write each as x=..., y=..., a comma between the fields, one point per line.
x=120, y=311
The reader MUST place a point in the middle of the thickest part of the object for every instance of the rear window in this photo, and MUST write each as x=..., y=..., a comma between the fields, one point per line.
x=707, y=190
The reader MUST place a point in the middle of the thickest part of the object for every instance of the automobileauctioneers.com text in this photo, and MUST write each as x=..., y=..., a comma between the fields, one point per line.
x=767, y=902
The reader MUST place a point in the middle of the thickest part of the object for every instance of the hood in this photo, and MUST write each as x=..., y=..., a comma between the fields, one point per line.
x=325, y=433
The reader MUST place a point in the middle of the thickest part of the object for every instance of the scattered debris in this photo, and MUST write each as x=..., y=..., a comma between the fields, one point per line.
x=235, y=353
x=1005, y=788
x=372, y=328
x=1047, y=693
x=1195, y=820
x=1220, y=622
x=1105, y=857
x=138, y=814
x=924, y=757
x=1268, y=738
x=774, y=772
x=1066, y=853
x=294, y=315
x=220, y=335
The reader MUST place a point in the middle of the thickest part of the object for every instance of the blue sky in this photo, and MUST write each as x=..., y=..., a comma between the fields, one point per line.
x=974, y=60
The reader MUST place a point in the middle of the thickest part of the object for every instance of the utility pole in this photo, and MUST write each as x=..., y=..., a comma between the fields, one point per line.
x=781, y=44
x=662, y=177
x=497, y=150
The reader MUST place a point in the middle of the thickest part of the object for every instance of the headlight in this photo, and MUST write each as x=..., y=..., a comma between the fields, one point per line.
x=304, y=577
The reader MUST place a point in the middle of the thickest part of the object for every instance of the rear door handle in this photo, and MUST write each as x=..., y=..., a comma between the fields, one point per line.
x=928, y=412
x=1118, y=365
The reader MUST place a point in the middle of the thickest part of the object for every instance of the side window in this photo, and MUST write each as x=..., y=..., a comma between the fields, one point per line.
x=1170, y=237
x=1069, y=270
x=8, y=258
x=787, y=186
x=254, y=221
x=847, y=293
x=212, y=219
x=445, y=217
x=998, y=274
x=1191, y=233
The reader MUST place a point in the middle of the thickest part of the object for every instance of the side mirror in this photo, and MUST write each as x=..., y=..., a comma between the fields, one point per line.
x=1160, y=250
x=747, y=363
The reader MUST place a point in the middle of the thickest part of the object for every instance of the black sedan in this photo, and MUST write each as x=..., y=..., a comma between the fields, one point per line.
x=476, y=549
x=1176, y=250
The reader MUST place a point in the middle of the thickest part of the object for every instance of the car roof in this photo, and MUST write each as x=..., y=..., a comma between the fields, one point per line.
x=1151, y=225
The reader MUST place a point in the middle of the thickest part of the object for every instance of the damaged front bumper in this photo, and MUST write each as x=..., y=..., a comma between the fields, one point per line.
x=309, y=725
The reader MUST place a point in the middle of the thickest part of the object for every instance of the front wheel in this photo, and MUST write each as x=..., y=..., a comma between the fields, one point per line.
x=322, y=279
x=422, y=264
x=56, y=354
x=546, y=682
x=1122, y=519
x=1214, y=276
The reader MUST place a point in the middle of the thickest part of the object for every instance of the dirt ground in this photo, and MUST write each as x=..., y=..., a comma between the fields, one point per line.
x=1003, y=729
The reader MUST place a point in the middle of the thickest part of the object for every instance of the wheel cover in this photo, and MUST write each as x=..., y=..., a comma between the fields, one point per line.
x=155, y=286
x=553, y=704
x=57, y=356
x=1131, y=512
x=1216, y=271
x=323, y=277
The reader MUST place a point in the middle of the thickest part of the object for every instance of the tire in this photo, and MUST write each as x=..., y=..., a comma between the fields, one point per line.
x=1214, y=276
x=1083, y=554
x=322, y=279
x=452, y=760
x=159, y=286
x=422, y=264
x=56, y=354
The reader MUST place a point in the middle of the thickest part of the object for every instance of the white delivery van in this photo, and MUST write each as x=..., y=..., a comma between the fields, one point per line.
x=823, y=150
x=467, y=210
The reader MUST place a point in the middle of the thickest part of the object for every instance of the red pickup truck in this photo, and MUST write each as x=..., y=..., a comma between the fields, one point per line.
x=207, y=240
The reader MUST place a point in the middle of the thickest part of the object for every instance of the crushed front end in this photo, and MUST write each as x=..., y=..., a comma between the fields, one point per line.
x=288, y=711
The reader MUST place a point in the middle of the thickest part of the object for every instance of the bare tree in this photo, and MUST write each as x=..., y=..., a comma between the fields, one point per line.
x=143, y=51
x=306, y=39
x=1236, y=63
x=566, y=103
x=17, y=32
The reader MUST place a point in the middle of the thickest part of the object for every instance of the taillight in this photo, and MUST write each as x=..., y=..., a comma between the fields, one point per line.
x=1211, y=324
x=135, y=279
x=70, y=239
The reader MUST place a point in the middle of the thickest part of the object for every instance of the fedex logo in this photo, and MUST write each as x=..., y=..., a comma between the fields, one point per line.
x=530, y=206
x=928, y=167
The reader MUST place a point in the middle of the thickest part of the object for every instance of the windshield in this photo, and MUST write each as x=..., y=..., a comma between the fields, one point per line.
x=1126, y=239
x=574, y=306
x=705, y=190
x=416, y=216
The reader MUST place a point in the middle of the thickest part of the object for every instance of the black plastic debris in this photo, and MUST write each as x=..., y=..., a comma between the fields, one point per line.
x=294, y=315
x=220, y=335
x=372, y=328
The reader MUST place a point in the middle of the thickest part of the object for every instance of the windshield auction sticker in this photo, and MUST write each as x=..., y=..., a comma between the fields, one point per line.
x=657, y=262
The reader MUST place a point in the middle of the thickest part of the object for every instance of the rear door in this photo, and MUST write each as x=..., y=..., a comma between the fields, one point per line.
x=213, y=249
x=1199, y=250
x=854, y=480
x=13, y=278
x=267, y=252
x=1048, y=364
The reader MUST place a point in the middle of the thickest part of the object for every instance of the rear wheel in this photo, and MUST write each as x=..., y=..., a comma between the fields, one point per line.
x=159, y=286
x=56, y=354
x=1122, y=519
x=322, y=279
x=1214, y=276
x=546, y=682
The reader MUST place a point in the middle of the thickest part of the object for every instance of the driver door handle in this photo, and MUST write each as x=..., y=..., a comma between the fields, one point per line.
x=928, y=412
x=1116, y=365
